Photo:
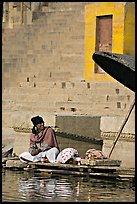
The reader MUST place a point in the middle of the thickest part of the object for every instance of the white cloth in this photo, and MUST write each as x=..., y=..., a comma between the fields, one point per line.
x=51, y=155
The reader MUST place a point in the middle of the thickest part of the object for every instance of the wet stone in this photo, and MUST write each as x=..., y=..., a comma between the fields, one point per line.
x=15, y=164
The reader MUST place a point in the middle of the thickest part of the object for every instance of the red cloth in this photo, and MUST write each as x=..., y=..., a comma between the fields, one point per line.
x=47, y=136
x=96, y=153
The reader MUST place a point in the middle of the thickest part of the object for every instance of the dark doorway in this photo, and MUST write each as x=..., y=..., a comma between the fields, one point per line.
x=103, y=37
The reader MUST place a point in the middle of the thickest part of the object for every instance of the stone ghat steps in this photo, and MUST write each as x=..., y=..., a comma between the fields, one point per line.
x=21, y=119
x=49, y=49
x=64, y=9
x=66, y=91
x=62, y=99
x=60, y=25
x=40, y=46
x=64, y=96
x=67, y=5
x=63, y=104
x=45, y=62
x=65, y=20
x=110, y=98
x=28, y=33
x=57, y=15
x=65, y=50
x=22, y=76
x=8, y=34
x=47, y=52
x=69, y=109
x=46, y=76
x=101, y=88
x=34, y=44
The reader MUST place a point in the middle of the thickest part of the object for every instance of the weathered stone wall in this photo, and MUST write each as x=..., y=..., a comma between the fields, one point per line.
x=124, y=149
x=88, y=126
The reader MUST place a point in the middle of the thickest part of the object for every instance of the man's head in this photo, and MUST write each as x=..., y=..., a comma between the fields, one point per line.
x=38, y=122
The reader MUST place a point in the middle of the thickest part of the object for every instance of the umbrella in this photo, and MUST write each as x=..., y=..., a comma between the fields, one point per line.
x=121, y=67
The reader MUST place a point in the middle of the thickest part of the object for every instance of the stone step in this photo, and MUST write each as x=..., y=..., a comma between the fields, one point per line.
x=65, y=20
x=56, y=105
x=23, y=119
x=32, y=59
x=65, y=102
x=67, y=5
x=50, y=12
x=71, y=110
x=8, y=33
x=46, y=96
x=92, y=105
x=44, y=49
x=7, y=115
x=63, y=94
x=115, y=123
x=96, y=88
x=19, y=47
x=30, y=34
x=17, y=119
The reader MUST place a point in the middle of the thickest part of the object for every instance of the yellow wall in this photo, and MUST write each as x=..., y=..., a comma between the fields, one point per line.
x=117, y=9
x=129, y=33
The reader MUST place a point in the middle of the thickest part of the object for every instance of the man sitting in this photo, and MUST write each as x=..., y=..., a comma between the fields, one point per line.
x=43, y=143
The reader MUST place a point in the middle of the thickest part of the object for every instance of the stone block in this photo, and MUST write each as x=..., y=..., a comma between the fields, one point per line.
x=23, y=119
x=21, y=143
x=124, y=151
x=113, y=123
x=88, y=126
x=29, y=17
x=15, y=164
x=7, y=150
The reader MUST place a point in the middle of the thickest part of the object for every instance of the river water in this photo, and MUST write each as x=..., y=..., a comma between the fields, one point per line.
x=23, y=186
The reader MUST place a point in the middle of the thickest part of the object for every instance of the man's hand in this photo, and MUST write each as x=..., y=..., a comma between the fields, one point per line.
x=35, y=152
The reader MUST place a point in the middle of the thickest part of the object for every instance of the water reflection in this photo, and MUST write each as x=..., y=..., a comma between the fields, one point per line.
x=24, y=186
x=48, y=188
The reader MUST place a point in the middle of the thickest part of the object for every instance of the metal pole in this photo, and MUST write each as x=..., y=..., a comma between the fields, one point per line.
x=122, y=126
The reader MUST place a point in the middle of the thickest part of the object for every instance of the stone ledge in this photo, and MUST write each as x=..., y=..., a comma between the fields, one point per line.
x=128, y=137
x=15, y=164
x=80, y=138
x=28, y=130
x=65, y=135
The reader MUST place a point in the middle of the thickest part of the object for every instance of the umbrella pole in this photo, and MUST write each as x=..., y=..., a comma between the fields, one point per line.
x=122, y=126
